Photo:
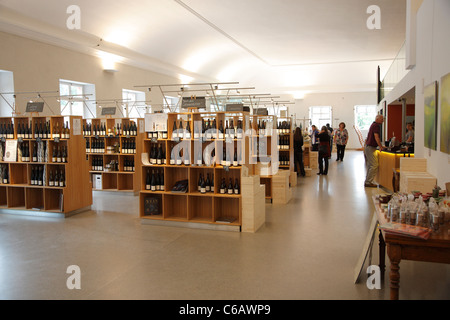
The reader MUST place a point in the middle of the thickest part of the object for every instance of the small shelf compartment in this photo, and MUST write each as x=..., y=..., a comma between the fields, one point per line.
x=175, y=207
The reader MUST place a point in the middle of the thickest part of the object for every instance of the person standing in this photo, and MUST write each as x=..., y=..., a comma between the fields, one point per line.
x=298, y=152
x=370, y=151
x=330, y=130
x=409, y=133
x=324, y=151
x=341, y=139
x=314, y=138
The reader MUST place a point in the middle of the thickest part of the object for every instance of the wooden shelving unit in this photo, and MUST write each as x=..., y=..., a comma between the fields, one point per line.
x=112, y=153
x=40, y=145
x=265, y=142
x=212, y=208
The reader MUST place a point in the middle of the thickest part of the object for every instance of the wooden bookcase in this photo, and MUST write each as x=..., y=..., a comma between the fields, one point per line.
x=109, y=148
x=211, y=208
x=21, y=192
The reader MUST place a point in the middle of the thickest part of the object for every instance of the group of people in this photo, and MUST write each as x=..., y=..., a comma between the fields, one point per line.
x=321, y=141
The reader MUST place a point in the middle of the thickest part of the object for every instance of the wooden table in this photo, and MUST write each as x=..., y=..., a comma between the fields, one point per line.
x=434, y=249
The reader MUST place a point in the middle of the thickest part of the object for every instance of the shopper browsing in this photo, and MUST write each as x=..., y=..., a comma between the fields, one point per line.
x=314, y=138
x=341, y=139
x=370, y=150
x=298, y=152
x=324, y=151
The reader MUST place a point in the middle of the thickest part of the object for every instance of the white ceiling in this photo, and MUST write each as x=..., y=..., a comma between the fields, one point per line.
x=277, y=46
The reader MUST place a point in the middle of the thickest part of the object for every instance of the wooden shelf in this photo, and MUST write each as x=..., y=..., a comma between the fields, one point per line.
x=20, y=194
x=123, y=181
x=193, y=206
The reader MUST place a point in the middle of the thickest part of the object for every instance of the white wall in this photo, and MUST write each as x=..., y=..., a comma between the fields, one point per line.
x=343, y=109
x=38, y=66
x=432, y=62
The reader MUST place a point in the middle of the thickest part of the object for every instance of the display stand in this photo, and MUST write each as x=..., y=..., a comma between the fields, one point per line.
x=184, y=160
x=113, y=153
x=48, y=174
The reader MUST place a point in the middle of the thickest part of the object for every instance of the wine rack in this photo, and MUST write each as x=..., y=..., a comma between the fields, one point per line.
x=112, y=146
x=196, y=147
x=48, y=175
x=277, y=146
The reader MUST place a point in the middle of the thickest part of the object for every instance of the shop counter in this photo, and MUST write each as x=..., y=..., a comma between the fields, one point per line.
x=388, y=168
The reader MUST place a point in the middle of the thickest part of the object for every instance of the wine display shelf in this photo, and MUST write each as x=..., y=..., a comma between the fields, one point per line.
x=112, y=147
x=21, y=191
x=192, y=206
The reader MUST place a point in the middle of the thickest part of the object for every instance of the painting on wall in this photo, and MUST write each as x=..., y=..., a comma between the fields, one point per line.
x=445, y=113
x=430, y=110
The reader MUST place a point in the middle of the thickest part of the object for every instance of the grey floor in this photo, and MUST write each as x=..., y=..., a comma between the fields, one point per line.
x=308, y=249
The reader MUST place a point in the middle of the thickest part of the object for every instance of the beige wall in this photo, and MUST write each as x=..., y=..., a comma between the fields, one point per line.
x=39, y=66
x=342, y=109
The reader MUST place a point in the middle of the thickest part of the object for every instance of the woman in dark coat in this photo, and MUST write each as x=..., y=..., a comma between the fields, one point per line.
x=298, y=152
x=324, y=151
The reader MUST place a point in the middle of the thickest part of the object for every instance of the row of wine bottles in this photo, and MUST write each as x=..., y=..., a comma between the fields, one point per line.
x=59, y=154
x=283, y=127
x=127, y=129
x=284, y=160
x=155, y=180
x=41, y=130
x=98, y=146
x=283, y=143
x=97, y=165
x=182, y=157
x=208, y=129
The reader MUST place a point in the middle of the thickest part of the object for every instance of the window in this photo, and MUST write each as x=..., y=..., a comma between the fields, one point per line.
x=134, y=105
x=171, y=104
x=364, y=116
x=320, y=116
x=6, y=100
x=77, y=98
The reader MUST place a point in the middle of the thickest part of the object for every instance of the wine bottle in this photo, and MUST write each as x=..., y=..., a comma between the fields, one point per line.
x=230, y=187
x=223, y=186
x=199, y=184
x=153, y=182
x=235, y=160
x=232, y=130
x=148, y=181
x=157, y=183
x=161, y=181
x=35, y=157
x=187, y=158
x=62, y=179
x=203, y=186
x=58, y=155
x=227, y=130
x=159, y=159
x=239, y=131
x=172, y=160
x=174, y=130
x=212, y=183
x=236, y=187
x=33, y=176
x=54, y=155
x=187, y=133
x=51, y=182
x=207, y=183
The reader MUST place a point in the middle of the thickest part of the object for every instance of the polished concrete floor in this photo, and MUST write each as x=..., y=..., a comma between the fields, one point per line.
x=308, y=249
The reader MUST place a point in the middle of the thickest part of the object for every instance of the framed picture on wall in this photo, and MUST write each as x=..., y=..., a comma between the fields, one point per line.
x=445, y=113
x=430, y=117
